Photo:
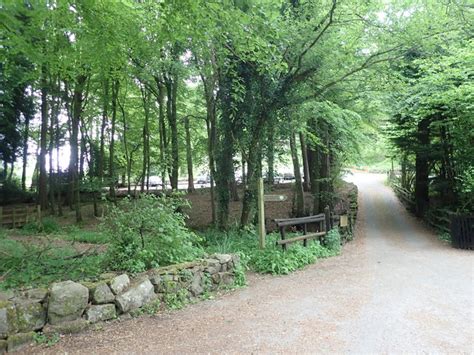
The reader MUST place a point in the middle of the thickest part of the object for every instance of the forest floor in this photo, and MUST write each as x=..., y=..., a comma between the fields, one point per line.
x=395, y=288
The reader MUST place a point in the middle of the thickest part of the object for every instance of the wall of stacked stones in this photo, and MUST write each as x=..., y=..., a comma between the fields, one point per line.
x=69, y=307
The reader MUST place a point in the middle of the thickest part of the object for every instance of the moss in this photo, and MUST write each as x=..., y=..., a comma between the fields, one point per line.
x=18, y=341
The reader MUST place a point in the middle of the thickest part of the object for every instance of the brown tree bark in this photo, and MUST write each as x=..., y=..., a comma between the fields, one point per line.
x=189, y=156
x=299, y=193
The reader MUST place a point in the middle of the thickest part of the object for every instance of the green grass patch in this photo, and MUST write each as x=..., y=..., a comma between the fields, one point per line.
x=23, y=264
x=273, y=259
x=73, y=233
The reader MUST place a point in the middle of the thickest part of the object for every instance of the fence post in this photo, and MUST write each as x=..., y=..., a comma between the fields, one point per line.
x=327, y=219
x=38, y=208
x=1, y=216
x=261, y=215
x=13, y=216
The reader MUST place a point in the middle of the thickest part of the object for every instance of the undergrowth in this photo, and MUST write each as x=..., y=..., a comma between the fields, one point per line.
x=24, y=264
x=273, y=259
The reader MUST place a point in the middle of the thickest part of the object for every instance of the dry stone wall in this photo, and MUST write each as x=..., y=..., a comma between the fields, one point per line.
x=69, y=307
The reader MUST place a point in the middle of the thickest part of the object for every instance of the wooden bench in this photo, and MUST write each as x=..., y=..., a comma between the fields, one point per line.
x=324, y=224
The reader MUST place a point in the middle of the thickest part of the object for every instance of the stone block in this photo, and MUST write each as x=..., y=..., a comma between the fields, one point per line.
x=7, y=319
x=101, y=313
x=136, y=296
x=67, y=301
x=19, y=340
x=3, y=346
x=36, y=294
x=223, y=258
x=30, y=315
x=119, y=284
x=70, y=327
x=102, y=294
x=196, y=288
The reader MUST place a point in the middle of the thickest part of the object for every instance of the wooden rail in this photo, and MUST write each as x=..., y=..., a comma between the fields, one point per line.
x=322, y=220
x=462, y=232
x=18, y=216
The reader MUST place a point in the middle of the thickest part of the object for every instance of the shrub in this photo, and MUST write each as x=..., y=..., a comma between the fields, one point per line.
x=332, y=241
x=47, y=225
x=148, y=232
x=273, y=259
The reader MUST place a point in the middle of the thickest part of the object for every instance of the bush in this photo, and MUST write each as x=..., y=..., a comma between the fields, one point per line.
x=273, y=259
x=47, y=225
x=11, y=192
x=332, y=241
x=148, y=232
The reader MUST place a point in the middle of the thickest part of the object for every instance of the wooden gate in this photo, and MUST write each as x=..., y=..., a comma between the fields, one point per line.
x=462, y=232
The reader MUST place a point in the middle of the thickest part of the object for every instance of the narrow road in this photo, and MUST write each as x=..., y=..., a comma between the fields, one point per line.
x=395, y=288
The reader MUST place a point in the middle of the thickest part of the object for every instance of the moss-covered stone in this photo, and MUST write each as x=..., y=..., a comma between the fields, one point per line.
x=70, y=327
x=8, y=324
x=30, y=316
x=19, y=340
x=67, y=301
x=36, y=294
x=3, y=346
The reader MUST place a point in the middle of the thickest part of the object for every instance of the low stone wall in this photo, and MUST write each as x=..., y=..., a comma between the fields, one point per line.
x=69, y=307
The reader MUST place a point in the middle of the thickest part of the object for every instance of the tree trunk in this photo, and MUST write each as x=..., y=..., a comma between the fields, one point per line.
x=43, y=178
x=76, y=119
x=422, y=168
x=115, y=92
x=304, y=154
x=189, y=156
x=271, y=155
x=103, y=125
x=299, y=210
x=146, y=143
x=26, y=134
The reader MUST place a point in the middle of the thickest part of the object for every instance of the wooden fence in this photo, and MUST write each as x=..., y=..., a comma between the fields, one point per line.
x=18, y=216
x=462, y=232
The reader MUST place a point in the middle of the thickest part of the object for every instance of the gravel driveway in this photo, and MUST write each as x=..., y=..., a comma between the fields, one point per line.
x=395, y=288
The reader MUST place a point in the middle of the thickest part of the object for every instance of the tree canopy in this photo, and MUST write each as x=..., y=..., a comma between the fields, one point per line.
x=136, y=90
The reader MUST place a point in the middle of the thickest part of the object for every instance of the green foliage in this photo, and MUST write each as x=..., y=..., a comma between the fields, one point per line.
x=46, y=339
x=332, y=241
x=148, y=232
x=176, y=300
x=273, y=259
x=47, y=225
x=445, y=237
x=77, y=234
x=11, y=191
x=23, y=264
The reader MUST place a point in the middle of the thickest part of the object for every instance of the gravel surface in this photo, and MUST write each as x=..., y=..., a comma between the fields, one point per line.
x=394, y=289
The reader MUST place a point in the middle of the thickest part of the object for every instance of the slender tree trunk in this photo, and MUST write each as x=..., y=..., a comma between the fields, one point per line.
x=304, y=154
x=76, y=119
x=271, y=154
x=422, y=168
x=43, y=179
x=146, y=142
x=299, y=210
x=59, y=173
x=53, y=177
x=162, y=128
x=26, y=134
x=325, y=172
x=115, y=92
x=189, y=155
x=103, y=125
x=171, y=88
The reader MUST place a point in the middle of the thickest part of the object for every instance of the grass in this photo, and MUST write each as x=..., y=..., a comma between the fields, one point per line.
x=23, y=263
x=84, y=236
x=273, y=259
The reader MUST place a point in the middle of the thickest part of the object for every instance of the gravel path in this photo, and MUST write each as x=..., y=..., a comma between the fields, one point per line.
x=396, y=288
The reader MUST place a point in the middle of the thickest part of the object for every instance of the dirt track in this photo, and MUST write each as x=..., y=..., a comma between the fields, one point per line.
x=396, y=288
